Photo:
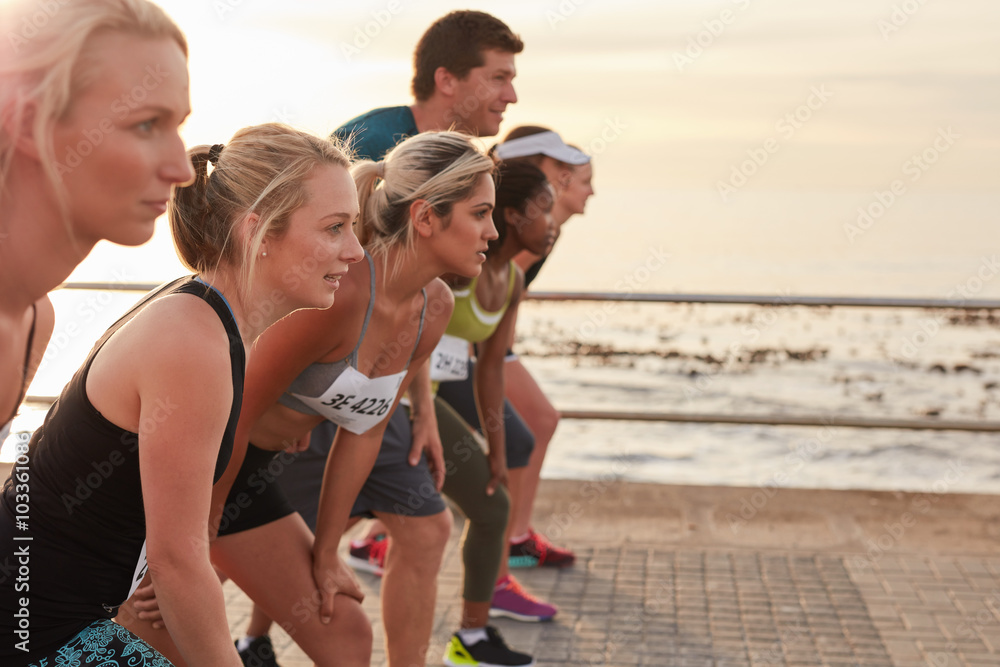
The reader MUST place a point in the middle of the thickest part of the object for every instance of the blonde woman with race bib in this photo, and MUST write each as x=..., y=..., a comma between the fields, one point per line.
x=425, y=210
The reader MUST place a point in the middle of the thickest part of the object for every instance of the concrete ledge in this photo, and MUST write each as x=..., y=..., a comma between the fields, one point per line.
x=755, y=518
x=612, y=513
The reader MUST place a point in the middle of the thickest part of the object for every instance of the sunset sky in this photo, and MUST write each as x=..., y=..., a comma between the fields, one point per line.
x=747, y=137
x=691, y=85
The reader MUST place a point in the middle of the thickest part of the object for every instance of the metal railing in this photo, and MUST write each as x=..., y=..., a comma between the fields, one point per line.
x=632, y=297
x=781, y=300
x=847, y=421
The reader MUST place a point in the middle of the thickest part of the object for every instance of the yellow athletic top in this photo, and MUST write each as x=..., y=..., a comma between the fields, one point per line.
x=470, y=321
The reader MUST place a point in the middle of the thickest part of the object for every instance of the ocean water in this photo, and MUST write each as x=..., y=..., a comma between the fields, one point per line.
x=905, y=363
x=759, y=361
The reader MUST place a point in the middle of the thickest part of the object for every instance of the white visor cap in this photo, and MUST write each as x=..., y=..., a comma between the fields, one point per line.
x=543, y=143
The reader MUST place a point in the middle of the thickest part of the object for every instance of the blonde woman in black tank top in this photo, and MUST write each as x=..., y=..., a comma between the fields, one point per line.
x=117, y=483
x=54, y=204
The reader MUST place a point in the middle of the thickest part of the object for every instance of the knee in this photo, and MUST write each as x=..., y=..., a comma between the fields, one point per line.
x=422, y=535
x=492, y=511
x=546, y=425
x=353, y=632
x=437, y=529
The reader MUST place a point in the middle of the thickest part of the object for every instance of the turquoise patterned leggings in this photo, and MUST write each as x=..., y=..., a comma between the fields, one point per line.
x=107, y=644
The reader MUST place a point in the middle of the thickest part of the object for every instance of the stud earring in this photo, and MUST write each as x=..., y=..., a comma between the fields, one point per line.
x=263, y=254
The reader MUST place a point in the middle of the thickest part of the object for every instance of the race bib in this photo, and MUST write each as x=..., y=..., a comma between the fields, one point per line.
x=355, y=401
x=140, y=570
x=450, y=359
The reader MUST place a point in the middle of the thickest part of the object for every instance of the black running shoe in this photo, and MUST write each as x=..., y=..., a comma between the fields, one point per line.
x=489, y=652
x=260, y=653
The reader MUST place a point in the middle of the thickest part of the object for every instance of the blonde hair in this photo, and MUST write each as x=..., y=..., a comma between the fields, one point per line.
x=440, y=168
x=262, y=171
x=44, y=64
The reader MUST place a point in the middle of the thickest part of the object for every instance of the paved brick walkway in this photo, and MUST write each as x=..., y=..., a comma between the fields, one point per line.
x=647, y=602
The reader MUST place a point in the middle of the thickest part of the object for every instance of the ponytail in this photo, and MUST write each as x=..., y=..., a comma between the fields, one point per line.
x=440, y=168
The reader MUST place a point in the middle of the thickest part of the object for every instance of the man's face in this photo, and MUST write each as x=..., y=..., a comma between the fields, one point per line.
x=481, y=97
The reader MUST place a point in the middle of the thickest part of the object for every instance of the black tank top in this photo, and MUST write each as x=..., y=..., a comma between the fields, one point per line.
x=79, y=498
x=532, y=272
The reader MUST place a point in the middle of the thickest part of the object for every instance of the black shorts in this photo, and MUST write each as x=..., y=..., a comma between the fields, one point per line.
x=520, y=441
x=256, y=498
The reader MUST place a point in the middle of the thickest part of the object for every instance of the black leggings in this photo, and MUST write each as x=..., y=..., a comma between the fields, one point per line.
x=467, y=471
x=518, y=438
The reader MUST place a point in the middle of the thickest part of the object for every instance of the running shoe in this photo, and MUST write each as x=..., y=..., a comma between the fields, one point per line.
x=260, y=653
x=537, y=551
x=490, y=652
x=512, y=601
x=368, y=555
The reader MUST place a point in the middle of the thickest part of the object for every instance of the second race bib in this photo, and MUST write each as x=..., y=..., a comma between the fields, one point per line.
x=450, y=359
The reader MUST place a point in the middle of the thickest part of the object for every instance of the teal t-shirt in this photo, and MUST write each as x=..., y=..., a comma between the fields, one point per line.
x=372, y=134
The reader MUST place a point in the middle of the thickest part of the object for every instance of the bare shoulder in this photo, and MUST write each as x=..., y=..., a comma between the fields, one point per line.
x=175, y=349
x=181, y=330
x=438, y=291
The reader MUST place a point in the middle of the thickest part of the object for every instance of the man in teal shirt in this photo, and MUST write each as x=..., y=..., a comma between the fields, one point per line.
x=463, y=80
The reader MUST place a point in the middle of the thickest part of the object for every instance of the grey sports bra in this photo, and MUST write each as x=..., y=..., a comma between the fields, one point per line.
x=319, y=377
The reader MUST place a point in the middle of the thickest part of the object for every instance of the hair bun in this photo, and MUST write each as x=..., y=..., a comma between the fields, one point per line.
x=213, y=153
